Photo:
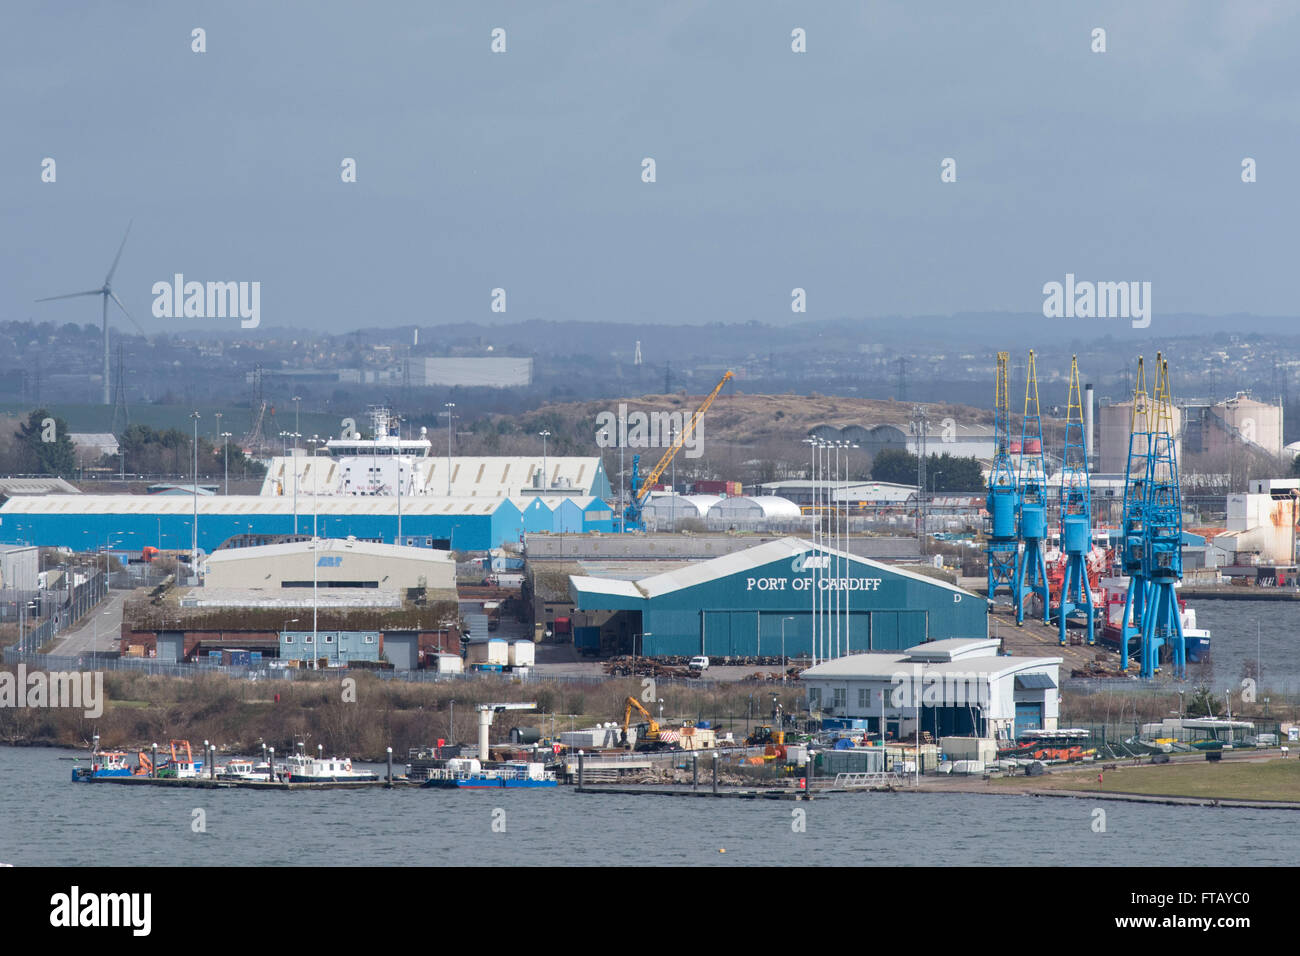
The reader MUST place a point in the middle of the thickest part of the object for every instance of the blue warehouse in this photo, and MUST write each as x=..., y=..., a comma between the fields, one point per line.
x=166, y=522
x=768, y=600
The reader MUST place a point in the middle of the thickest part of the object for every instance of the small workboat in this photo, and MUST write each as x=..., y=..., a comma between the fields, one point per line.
x=300, y=768
x=241, y=769
x=106, y=763
x=469, y=774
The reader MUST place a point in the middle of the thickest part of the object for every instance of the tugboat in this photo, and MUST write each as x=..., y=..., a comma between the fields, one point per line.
x=469, y=774
x=108, y=763
x=301, y=768
x=242, y=769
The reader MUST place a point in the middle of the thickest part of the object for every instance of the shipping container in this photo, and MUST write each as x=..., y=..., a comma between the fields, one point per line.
x=494, y=651
x=522, y=654
x=449, y=664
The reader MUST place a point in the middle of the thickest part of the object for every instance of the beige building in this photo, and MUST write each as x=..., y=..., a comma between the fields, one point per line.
x=331, y=563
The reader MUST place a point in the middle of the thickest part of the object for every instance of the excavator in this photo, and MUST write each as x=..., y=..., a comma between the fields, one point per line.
x=649, y=737
x=632, y=514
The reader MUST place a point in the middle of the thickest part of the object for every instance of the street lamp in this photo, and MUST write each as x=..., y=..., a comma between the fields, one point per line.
x=449, y=406
x=194, y=556
x=545, y=482
x=225, y=445
x=784, y=664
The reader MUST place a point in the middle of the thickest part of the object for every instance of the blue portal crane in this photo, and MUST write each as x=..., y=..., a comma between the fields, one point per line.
x=1133, y=529
x=1002, y=501
x=1031, y=567
x=1162, y=564
x=1076, y=513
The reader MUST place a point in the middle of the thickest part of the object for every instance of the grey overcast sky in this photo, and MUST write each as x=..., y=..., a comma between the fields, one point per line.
x=522, y=170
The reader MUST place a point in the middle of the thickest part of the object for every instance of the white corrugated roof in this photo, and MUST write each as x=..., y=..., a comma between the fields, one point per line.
x=769, y=506
x=330, y=546
x=741, y=561
x=627, y=589
x=884, y=666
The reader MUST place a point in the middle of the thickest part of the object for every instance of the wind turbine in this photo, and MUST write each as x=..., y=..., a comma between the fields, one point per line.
x=106, y=291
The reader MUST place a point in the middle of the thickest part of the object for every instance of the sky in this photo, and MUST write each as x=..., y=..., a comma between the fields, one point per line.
x=522, y=170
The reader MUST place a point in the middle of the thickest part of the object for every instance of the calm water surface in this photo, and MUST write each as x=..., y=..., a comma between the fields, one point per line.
x=46, y=820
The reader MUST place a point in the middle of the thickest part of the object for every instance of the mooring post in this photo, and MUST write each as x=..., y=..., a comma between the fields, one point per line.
x=715, y=773
x=153, y=761
x=271, y=752
x=390, y=767
x=695, y=772
x=579, y=769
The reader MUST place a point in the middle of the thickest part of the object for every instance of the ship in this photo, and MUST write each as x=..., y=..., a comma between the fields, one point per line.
x=1115, y=590
x=301, y=768
x=105, y=763
x=468, y=774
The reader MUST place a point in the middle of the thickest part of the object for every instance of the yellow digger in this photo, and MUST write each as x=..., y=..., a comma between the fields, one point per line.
x=648, y=734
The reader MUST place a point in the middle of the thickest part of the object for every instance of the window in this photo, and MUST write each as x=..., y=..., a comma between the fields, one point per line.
x=307, y=640
x=370, y=638
x=840, y=697
x=864, y=698
x=288, y=638
x=814, y=697
x=329, y=638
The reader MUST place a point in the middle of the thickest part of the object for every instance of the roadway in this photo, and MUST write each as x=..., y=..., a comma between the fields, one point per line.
x=100, y=631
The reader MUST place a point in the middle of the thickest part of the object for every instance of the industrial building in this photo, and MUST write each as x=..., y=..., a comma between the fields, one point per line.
x=1261, y=526
x=759, y=602
x=470, y=372
x=960, y=441
x=962, y=688
x=330, y=563
x=367, y=603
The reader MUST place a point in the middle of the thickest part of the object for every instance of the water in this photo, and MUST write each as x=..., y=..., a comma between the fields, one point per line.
x=1232, y=626
x=49, y=821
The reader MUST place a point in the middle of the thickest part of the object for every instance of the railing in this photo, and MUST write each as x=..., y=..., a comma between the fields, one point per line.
x=865, y=781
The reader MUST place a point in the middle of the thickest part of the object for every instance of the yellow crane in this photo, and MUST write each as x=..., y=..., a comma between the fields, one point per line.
x=641, y=489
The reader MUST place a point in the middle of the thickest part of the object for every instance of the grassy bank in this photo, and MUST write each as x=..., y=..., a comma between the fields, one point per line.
x=360, y=720
x=1275, y=779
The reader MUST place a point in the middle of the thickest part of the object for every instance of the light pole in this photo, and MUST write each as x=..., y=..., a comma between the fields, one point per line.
x=622, y=434
x=296, y=436
x=194, y=555
x=225, y=446
x=784, y=664
x=449, y=406
x=672, y=501
x=545, y=481
x=297, y=404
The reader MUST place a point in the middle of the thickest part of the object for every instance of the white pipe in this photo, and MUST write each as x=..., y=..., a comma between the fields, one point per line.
x=484, y=722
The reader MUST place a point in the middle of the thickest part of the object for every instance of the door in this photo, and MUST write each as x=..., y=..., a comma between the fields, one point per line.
x=1029, y=716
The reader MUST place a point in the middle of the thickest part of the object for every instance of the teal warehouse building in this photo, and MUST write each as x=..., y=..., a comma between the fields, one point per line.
x=769, y=600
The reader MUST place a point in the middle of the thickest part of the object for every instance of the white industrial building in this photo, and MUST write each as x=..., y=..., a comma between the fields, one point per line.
x=330, y=563
x=962, y=688
x=470, y=372
x=1261, y=525
x=744, y=508
x=666, y=508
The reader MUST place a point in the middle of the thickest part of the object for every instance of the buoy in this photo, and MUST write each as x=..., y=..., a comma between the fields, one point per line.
x=722, y=849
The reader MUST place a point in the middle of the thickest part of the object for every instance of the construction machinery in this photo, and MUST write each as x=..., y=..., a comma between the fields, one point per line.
x=1031, y=564
x=1075, y=514
x=649, y=736
x=632, y=514
x=763, y=735
x=1002, y=502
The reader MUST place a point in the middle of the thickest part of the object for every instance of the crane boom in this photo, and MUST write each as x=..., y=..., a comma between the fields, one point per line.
x=688, y=429
x=641, y=489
